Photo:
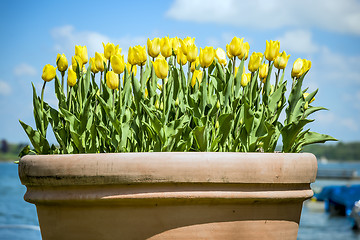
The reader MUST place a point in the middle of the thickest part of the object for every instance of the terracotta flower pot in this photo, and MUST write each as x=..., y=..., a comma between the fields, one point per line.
x=169, y=195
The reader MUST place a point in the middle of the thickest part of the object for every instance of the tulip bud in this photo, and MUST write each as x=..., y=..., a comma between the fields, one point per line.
x=161, y=68
x=175, y=44
x=117, y=63
x=245, y=47
x=221, y=56
x=165, y=47
x=272, y=50
x=75, y=62
x=297, y=70
x=140, y=55
x=177, y=102
x=93, y=65
x=100, y=61
x=306, y=65
x=192, y=52
x=263, y=71
x=112, y=80
x=181, y=57
x=82, y=53
x=157, y=105
x=228, y=52
x=206, y=56
x=218, y=104
x=132, y=56
x=254, y=62
x=71, y=79
x=217, y=125
x=61, y=62
x=281, y=60
x=49, y=73
x=185, y=43
x=245, y=79
x=153, y=47
x=110, y=50
x=235, y=46
x=146, y=94
x=197, y=75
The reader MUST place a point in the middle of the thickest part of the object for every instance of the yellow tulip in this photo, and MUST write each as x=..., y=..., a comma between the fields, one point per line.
x=132, y=56
x=281, y=60
x=192, y=52
x=298, y=68
x=71, y=79
x=228, y=52
x=197, y=75
x=153, y=47
x=221, y=56
x=307, y=94
x=75, y=61
x=235, y=46
x=112, y=80
x=181, y=57
x=49, y=73
x=263, y=71
x=82, y=53
x=140, y=55
x=272, y=50
x=93, y=65
x=175, y=44
x=306, y=65
x=165, y=47
x=110, y=49
x=161, y=68
x=146, y=94
x=118, y=51
x=194, y=64
x=207, y=56
x=128, y=67
x=185, y=43
x=61, y=62
x=100, y=61
x=254, y=62
x=236, y=70
x=245, y=79
x=245, y=47
x=117, y=63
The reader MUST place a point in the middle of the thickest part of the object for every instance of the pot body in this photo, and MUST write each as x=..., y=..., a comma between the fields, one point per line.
x=169, y=195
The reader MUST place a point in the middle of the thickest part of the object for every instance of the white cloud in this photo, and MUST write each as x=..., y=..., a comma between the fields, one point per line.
x=337, y=16
x=66, y=37
x=24, y=69
x=298, y=41
x=5, y=88
x=326, y=118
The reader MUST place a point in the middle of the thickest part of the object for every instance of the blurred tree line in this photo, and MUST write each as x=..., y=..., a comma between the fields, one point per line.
x=340, y=151
x=10, y=151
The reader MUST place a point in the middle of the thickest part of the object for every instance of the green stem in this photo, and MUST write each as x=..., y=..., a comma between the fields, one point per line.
x=42, y=109
x=70, y=99
x=234, y=60
x=163, y=95
x=189, y=73
x=113, y=93
x=119, y=93
x=62, y=81
x=277, y=79
x=101, y=82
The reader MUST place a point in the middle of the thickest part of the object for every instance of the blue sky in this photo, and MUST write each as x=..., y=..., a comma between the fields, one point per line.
x=325, y=32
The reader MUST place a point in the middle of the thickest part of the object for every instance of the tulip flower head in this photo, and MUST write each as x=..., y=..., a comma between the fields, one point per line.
x=192, y=52
x=117, y=63
x=49, y=73
x=61, y=62
x=255, y=61
x=221, y=56
x=71, y=79
x=165, y=47
x=306, y=65
x=153, y=47
x=263, y=71
x=100, y=61
x=197, y=75
x=272, y=50
x=81, y=51
x=181, y=57
x=235, y=46
x=175, y=44
x=281, y=60
x=194, y=64
x=207, y=56
x=298, y=69
x=228, y=52
x=185, y=43
x=245, y=79
x=93, y=66
x=112, y=80
x=140, y=55
x=76, y=62
x=110, y=50
x=161, y=68
x=245, y=48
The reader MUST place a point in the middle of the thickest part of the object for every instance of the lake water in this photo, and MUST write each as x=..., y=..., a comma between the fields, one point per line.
x=18, y=219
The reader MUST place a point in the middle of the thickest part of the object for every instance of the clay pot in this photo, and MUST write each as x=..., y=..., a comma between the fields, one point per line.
x=174, y=195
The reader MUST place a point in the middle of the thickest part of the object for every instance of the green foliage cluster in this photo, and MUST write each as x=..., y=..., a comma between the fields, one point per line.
x=218, y=114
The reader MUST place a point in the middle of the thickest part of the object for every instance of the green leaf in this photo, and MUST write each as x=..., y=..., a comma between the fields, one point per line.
x=24, y=151
x=39, y=143
x=200, y=138
x=225, y=124
x=290, y=133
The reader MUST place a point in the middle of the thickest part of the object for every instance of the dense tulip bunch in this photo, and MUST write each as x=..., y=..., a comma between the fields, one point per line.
x=213, y=105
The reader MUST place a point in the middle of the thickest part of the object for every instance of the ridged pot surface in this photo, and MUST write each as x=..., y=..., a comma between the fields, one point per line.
x=169, y=195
